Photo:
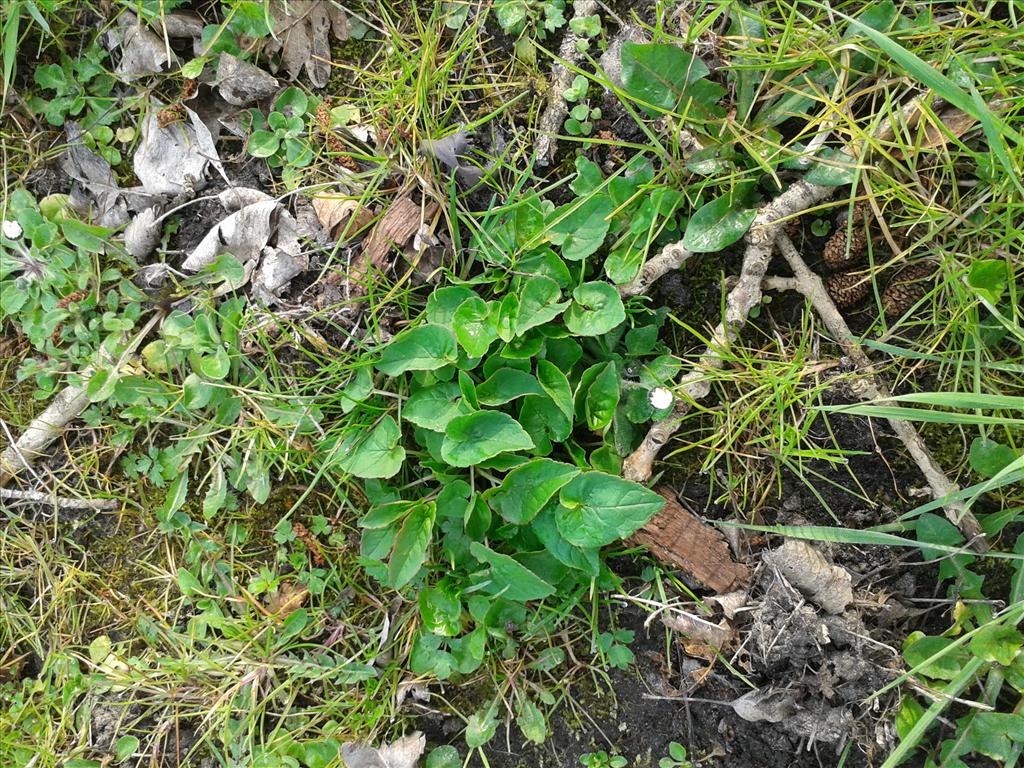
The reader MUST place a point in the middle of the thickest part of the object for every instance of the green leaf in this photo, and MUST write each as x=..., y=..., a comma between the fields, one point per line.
x=538, y=303
x=1000, y=643
x=506, y=385
x=989, y=457
x=373, y=455
x=717, y=225
x=411, y=544
x=426, y=348
x=446, y=756
x=441, y=609
x=263, y=144
x=443, y=302
x=479, y=436
x=86, y=236
x=196, y=393
x=556, y=386
x=946, y=667
x=481, y=727
x=527, y=488
x=510, y=578
x=125, y=747
x=531, y=721
x=597, y=509
x=988, y=277
x=101, y=385
x=580, y=228
x=602, y=398
x=475, y=326
x=839, y=169
x=435, y=406
x=359, y=387
x=993, y=734
x=668, y=78
x=215, y=366
x=216, y=493
x=596, y=308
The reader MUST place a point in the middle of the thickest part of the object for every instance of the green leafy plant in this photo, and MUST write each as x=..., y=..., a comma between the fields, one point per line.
x=79, y=88
x=581, y=116
x=676, y=757
x=602, y=760
x=282, y=137
x=529, y=20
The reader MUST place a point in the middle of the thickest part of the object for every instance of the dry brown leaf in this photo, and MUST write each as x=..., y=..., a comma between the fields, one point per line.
x=957, y=123
x=301, y=33
x=828, y=586
x=341, y=216
x=287, y=599
x=395, y=229
x=701, y=630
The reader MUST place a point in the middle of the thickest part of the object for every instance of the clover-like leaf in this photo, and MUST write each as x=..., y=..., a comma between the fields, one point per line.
x=596, y=308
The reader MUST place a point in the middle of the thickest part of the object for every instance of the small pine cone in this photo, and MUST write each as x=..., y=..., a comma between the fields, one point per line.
x=907, y=287
x=836, y=254
x=847, y=288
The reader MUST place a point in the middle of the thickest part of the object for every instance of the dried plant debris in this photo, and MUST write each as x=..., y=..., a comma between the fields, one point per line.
x=403, y=753
x=767, y=705
x=263, y=236
x=398, y=226
x=847, y=289
x=341, y=216
x=450, y=151
x=173, y=160
x=96, y=194
x=714, y=635
x=828, y=586
x=301, y=33
x=143, y=52
x=142, y=235
x=907, y=287
x=241, y=83
x=848, y=245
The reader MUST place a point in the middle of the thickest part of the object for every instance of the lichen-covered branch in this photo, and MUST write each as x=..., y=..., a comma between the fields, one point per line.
x=550, y=123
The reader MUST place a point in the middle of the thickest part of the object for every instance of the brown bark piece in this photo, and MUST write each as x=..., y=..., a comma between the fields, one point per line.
x=396, y=228
x=679, y=538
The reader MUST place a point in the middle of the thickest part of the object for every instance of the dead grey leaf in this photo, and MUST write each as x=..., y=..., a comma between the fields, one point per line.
x=142, y=51
x=301, y=31
x=769, y=705
x=730, y=602
x=99, y=190
x=236, y=198
x=449, y=150
x=181, y=25
x=142, y=235
x=403, y=753
x=152, y=277
x=243, y=234
x=172, y=158
x=241, y=83
x=280, y=262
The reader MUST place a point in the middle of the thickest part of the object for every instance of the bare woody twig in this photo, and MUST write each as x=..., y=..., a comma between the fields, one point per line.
x=871, y=387
x=746, y=294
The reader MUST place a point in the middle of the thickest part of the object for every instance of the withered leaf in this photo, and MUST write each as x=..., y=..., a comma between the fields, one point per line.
x=341, y=216
x=395, y=229
x=301, y=34
x=287, y=599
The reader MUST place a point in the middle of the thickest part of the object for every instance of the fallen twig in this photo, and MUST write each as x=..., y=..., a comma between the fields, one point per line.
x=744, y=296
x=40, y=497
x=870, y=387
x=554, y=114
x=65, y=408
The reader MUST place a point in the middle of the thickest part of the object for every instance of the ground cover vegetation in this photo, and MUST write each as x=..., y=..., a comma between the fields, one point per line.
x=511, y=383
